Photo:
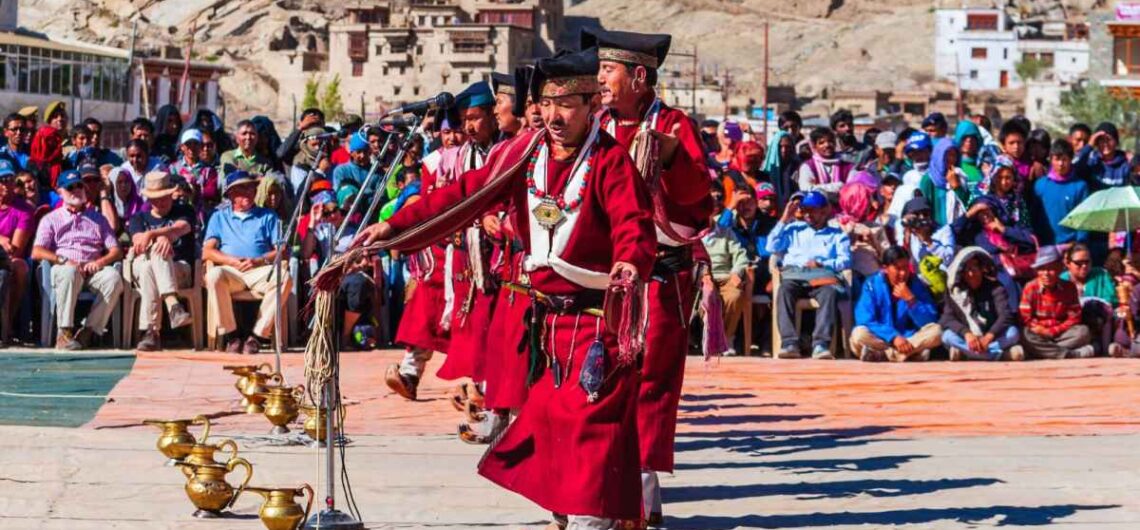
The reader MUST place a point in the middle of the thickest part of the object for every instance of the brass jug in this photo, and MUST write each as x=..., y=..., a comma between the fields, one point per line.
x=243, y=371
x=316, y=421
x=255, y=386
x=279, y=511
x=176, y=435
x=207, y=488
x=202, y=454
x=281, y=406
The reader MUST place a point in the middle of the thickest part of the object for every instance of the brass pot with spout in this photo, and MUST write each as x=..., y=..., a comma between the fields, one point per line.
x=280, y=511
x=203, y=454
x=243, y=371
x=207, y=488
x=316, y=421
x=176, y=436
x=256, y=385
x=281, y=406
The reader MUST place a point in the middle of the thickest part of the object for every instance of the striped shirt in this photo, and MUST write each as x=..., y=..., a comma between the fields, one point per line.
x=81, y=237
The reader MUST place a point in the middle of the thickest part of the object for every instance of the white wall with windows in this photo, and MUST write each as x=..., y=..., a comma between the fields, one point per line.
x=93, y=81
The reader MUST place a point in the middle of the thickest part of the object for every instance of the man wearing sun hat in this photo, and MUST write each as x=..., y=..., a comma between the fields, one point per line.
x=162, y=240
x=81, y=246
x=240, y=242
x=1051, y=312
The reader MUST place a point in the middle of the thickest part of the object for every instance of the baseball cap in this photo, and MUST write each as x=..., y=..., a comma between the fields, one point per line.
x=814, y=199
x=917, y=142
x=67, y=179
x=190, y=135
x=934, y=118
x=6, y=169
x=886, y=140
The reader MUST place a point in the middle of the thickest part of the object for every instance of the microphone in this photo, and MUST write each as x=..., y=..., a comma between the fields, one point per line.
x=397, y=121
x=443, y=99
x=322, y=136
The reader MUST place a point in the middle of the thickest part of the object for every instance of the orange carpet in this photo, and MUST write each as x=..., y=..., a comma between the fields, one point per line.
x=737, y=396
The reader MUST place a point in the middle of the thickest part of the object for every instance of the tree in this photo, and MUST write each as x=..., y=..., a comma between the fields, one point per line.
x=1093, y=104
x=1028, y=69
x=312, y=88
x=331, y=102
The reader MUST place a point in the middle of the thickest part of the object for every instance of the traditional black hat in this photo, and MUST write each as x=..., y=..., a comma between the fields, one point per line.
x=645, y=49
x=503, y=83
x=447, y=118
x=565, y=74
x=477, y=95
x=522, y=89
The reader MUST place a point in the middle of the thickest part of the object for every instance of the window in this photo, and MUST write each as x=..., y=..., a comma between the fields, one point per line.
x=1005, y=53
x=973, y=74
x=464, y=77
x=914, y=109
x=384, y=71
x=981, y=21
x=357, y=68
x=978, y=53
x=416, y=91
x=1126, y=55
x=396, y=90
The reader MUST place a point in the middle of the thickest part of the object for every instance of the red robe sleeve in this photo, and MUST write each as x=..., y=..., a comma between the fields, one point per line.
x=441, y=199
x=627, y=204
x=686, y=180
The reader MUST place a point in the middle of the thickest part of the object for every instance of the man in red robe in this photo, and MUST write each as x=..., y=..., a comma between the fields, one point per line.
x=582, y=213
x=439, y=314
x=628, y=65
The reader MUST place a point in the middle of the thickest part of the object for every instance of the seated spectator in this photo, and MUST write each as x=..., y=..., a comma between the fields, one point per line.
x=240, y=241
x=815, y=256
x=1098, y=296
x=888, y=184
x=977, y=321
x=162, y=238
x=80, y=244
x=16, y=228
x=28, y=188
x=749, y=221
x=245, y=157
x=103, y=156
x=744, y=170
x=782, y=165
x=307, y=148
x=271, y=194
x=728, y=274
x=202, y=177
x=896, y=318
x=1055, y=196
x=15, y=149
x=1051, y=311
x=139, y=162
x=825, y=171
x=124, y=196
x=858, y=217
x=318, y=226
x=932, y=250
x=321, y=225
x=46, y=160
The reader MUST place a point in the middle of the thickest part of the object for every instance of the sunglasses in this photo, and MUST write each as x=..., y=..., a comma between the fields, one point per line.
x=19, y=129
x=1081, y=262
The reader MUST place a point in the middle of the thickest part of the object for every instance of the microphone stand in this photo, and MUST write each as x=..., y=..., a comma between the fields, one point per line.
x=283, y=239
x=360, y=196
x=330, y=517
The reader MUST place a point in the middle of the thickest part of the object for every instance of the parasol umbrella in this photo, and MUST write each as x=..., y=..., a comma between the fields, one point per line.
x=1110, y=210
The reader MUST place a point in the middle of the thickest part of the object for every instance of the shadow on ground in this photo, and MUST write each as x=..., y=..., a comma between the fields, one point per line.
x=823, y=490
x=1004, y=515
x=801, y=467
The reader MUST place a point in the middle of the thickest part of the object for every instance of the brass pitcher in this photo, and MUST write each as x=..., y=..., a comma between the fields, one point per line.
x=256, y=384
x=243, y=371
x=281, y=406
x=279, y=511
x=207, y=488
x=202, y=454
x=316, y=421
x=176, y=435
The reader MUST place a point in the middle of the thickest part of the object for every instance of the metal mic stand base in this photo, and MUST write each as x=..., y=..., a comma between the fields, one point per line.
x=333, y=520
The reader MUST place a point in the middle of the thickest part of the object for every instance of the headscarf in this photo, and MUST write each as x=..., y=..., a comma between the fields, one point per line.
x=937, y=169
x=47, y=153
x=967, y=129
x=306, y=155
x=284, y=209
x=266, y=129
x=134, y=202
x=959, y=294
x=1012, y=209
x=216, y=129
x=744, y=151
x=857, y=203
x=165, y=144
x=775, y=168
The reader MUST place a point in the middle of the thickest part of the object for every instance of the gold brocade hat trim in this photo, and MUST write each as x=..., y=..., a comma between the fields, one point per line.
x=568, y=86
x=627, y=56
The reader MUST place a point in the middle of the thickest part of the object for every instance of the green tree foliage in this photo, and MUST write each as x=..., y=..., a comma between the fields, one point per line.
x=1093, y=104
x=331, y=102
x=1028, y=69
x=312, y=88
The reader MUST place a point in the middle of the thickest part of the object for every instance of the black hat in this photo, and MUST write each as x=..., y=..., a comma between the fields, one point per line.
x=645, y=49
x=522, y=89
x=565, y=74
x=915, y=205
x=449, y=115
x=936, y=119
x=1109, y=129
x=503, y=83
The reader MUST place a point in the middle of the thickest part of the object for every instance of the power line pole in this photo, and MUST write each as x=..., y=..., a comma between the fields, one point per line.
x=726, y=87
x=765, y=108
x=694, y=94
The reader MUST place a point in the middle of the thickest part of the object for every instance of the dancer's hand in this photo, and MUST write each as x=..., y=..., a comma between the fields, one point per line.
x=621, y=269
x=372, y=234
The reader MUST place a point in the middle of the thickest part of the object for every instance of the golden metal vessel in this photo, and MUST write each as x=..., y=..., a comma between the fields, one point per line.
x=176, y=435
x=281, y=406
x=207, y=488
x=280, y=511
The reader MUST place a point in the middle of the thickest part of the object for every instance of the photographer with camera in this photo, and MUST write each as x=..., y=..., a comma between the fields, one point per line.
x=931, y=247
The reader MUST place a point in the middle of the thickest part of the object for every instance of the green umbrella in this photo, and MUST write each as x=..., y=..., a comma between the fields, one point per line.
x=1110, y=210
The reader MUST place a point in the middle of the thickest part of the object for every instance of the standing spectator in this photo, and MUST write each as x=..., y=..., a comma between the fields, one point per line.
x=1055, y=196
x=103, y=155
x=245, y=157
x=728, y=134
x=309, y=146
x=16, y=227
x=356, y=169
x=858, y=217
x=46, y=158
x=310, y=118
x=815, y=256
x=1037, y=149
x=977, y=320
x=935, y=126
x=142, y=130
x=15, y=150
x=268, y=142
x=202, y=177
x=782, y=165
x=1100, y=163
x=209, y=123
x=968, y=138
x=944, y=184
x=82, y=247
x=168, y=129
x=140, y=162
x=1012, y=138
x=917, y=153
x=729, y=275
x=824, y=171
x=885, y=162
x=240, y=242
x=1079, y=136
x=31, y=115
x=744, y=169
x=1051, y=311
x=848, y=147
x=162, y=238
x=896, y=318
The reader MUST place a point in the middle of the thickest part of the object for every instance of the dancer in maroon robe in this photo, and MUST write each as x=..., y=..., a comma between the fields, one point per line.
x=628, y=65
x=582, y=213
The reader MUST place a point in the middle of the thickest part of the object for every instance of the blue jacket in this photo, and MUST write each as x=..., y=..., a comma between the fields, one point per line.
x=1099, y=173
x=888, y=318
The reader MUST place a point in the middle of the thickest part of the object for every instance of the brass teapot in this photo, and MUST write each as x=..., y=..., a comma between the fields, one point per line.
x=207, y=488
x=316, y=421
x=279, y=511
x=256, y=385
x=176, y=435
x=203, y=454
x=281, y=406
x=243, y=372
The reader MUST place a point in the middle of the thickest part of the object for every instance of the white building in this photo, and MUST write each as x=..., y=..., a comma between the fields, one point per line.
x=981, y=48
